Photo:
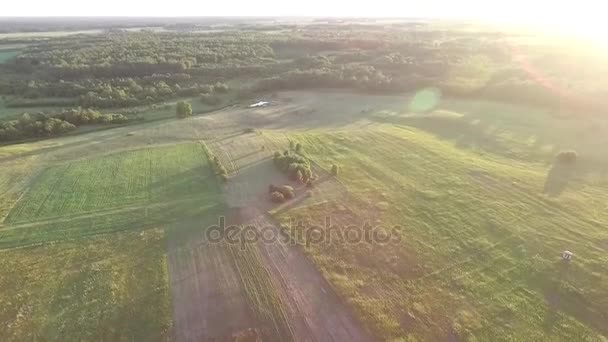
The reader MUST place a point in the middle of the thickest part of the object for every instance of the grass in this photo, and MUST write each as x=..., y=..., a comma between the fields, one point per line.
x=88, y=239
x=13, y=176
x=479, y=249
x=146, y=176
x=111, y=287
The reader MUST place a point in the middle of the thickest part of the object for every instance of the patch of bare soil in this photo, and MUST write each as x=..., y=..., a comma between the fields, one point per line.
x=208, y=299
x=314, y=309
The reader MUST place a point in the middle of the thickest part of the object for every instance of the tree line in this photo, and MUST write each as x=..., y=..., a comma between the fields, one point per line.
x=42, y=125
x=123, y=69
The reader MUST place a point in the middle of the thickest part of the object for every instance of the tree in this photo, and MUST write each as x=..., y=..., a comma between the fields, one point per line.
x=277, y=197
x=334, y=170
x=287, y=191
x=567, y=157
x=297, y=176
x=183, y=109
x=220, y=88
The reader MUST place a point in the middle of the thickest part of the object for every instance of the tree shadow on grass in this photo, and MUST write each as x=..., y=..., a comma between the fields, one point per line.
x=558, y=177
x=562, y=174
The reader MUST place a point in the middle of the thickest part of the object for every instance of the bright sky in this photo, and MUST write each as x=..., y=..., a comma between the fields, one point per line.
x=579, y=16
x=513, y=9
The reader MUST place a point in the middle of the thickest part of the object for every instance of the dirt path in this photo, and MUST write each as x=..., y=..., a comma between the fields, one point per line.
x=314, y=309
x=208, y=300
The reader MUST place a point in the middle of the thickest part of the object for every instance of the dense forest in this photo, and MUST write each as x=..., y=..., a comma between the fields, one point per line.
x=118, y=69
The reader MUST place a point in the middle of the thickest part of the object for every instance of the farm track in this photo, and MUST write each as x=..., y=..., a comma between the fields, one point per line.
x=208, y=298
x=315, y=310
x=96, y=214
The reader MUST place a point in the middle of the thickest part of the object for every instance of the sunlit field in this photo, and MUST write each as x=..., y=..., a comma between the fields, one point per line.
x=135, y=157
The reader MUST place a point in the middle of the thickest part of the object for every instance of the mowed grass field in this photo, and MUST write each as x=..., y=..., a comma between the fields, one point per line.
x=132, y=178
x=83, y=249
x=480, y=231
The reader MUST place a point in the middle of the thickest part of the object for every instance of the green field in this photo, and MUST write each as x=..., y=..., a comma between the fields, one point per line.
x=129, y=178
x=480, y=150
x=111, y=287
x=88, y=238
x=480, y=236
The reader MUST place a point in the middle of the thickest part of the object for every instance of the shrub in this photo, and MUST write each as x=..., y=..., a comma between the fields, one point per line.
x=310, y=184
x=287, y=191
x=334, y=170
x=295, y=166
x=37, y=125
x=220, y=88
x=221, y=170
x=217, y=165
x=277, y=197
x=206, y=89
x=81, y=116
x=567, y=157
x=113, y=119
x=298, y=148
x=296, y=176
x=249, y=130
x=183, y=109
